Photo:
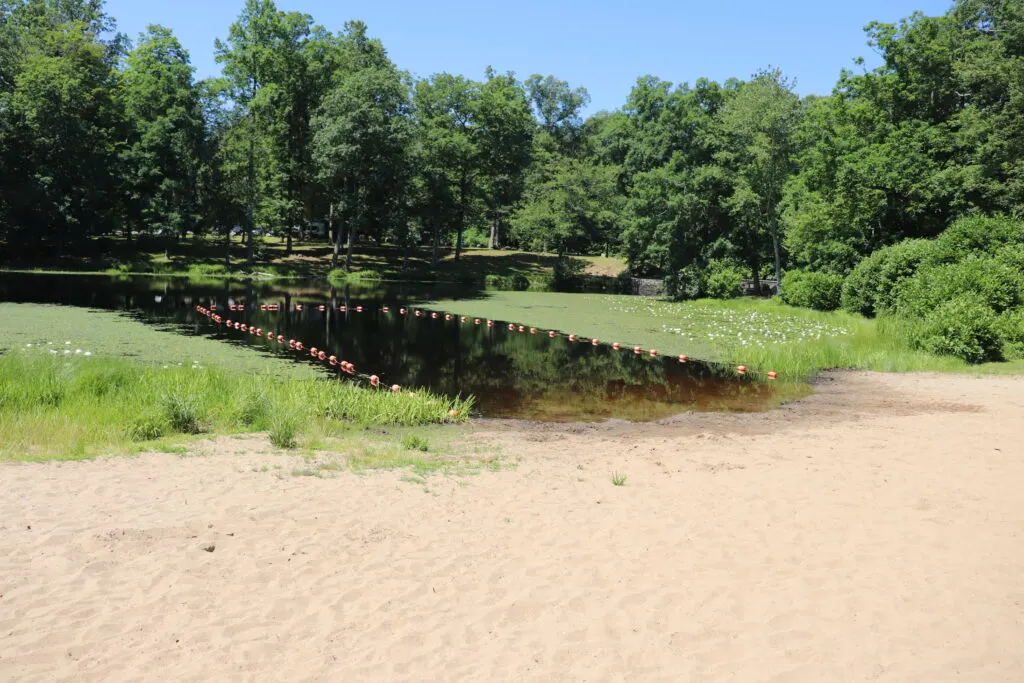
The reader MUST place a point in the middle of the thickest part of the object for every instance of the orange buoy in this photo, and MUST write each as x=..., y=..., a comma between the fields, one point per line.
x=616, y=346
x=395, y=388
x=245, y=328
x=298, y=346
x=637, y=350
x=322, y=355
x=386, y=309
x=595, y=342
x=298, y=307
x=359, y=309
x=476, y=321
x=333, y=360
x=374, y=380
x=259, y=331
x=401, y=311
x=511, y=326
x=453, y=413
x=313, y=351
x=463, y=319
x=291, y=343
x=654, y=353
x=263, y=307
x=572, y=337
x=522, y=328
x=448, y=316
x=419, y=313
x=552, y=334
x=683, y=359
x=321, y=307
x=490, y=323
x=350, y=369
x=773, y=375
x=434, y=315
x=533, y=330
x=280, y=339
x=742, y=369
x=228, y=323
x=238, y=326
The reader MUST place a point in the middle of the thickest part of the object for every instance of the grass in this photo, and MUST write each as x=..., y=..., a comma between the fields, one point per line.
x=412, y=442
x=764, y=335
x=618, y=479
x=121, y=386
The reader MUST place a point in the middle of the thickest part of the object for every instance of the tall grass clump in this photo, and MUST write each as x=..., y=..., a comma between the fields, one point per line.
x=60, y=406
x=340, y=276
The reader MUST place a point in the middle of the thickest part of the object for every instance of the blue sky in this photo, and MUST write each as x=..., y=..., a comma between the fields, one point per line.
x=601, y=45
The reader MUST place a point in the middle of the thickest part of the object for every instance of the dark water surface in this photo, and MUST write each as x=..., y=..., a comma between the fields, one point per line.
x=511, y=374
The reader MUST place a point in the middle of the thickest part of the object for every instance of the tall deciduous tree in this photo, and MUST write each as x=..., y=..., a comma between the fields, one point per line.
x=162, y=159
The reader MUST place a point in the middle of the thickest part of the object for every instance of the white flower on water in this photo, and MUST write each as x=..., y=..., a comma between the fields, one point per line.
x=77, y=351
x=28, y=346
x=53, y=351
x=87, y=353
x=67, y=343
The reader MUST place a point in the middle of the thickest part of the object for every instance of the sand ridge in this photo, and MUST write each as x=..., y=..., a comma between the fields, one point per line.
x=869, y=532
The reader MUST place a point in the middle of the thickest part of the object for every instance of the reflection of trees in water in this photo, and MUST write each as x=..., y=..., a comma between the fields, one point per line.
x=511, y=373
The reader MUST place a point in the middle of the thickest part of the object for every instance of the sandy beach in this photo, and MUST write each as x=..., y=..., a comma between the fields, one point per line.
x=871, y=532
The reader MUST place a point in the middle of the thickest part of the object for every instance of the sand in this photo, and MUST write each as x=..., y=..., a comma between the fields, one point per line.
x=873, y=531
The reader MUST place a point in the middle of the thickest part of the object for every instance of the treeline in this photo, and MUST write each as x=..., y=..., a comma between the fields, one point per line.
x=703, y=184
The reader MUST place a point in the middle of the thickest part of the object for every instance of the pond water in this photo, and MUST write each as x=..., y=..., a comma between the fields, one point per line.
x=511, y=374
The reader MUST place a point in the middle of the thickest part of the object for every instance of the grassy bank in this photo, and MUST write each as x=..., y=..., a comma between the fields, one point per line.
x=118, y=385
x=308, y=260
x=764, y=335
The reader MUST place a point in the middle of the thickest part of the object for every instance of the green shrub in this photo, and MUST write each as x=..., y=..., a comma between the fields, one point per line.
x=411, y=442
x=1012, y=255
x=283, y=429
x=870, y=287
x=983, y=279
x=340, y=276
x=252, y=406
x=960, y=327
x=568, y=274
x=724, y=278
x=182, y=411
x=810, y=289
x=146, y=427
x=976, y=235
x=1010, y=328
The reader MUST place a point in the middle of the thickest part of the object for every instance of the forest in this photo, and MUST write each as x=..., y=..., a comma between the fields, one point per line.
x=900, y=192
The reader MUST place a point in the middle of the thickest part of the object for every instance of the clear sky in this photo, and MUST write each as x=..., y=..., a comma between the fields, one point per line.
x=601, y=45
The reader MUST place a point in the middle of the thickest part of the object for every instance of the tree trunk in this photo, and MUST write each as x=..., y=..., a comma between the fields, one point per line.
x=492, y=243
x=778, y=257
x=353, y=233
x=288, y=248
x=437, y=243
x=251, y=208
x=337, y=241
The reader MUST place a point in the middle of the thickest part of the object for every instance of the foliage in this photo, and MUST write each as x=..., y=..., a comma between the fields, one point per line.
x=872, y=286
x=723, y=279
x=412, y=442
x=960, y=327
x=984, y=280
x=810, y=289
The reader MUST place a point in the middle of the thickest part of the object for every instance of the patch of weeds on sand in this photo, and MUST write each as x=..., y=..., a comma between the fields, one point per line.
x=283, y=430
x=412, y=479
x=618, y=479
x=412, y=442
x=173, y=449
x=305, y=472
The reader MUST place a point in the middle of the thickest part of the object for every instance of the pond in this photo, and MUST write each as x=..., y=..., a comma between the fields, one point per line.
x=512, y=374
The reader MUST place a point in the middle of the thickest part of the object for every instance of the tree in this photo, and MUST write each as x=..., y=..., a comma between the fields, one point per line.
x=162, y=158
x=757, y=126
x=557, y=107
x=450, y=152
x=504, y=130
x=360, y=143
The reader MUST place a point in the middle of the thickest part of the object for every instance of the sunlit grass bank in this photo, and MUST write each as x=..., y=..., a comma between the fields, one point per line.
x=88, y=396
x=760, y=334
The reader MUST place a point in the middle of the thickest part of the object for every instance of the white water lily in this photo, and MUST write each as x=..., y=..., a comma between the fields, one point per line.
x=87, y=353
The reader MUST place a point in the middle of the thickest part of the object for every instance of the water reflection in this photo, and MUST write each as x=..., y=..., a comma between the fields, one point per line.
x=512, y=374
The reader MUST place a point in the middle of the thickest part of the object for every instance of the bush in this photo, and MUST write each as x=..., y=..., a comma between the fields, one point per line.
x=340, y=276
x=146, y=427
x=724, y=278
x=983, y=279
x=961, y=327
x=568, y=274
x=809, y=289
x=976, y=235
x=1010, y=328
x=870, y=288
